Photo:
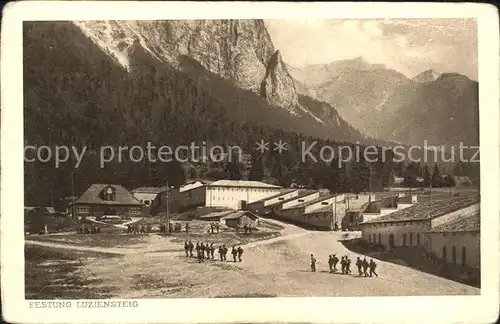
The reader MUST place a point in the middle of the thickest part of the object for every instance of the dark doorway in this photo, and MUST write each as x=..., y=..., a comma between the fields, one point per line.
x=391, y=240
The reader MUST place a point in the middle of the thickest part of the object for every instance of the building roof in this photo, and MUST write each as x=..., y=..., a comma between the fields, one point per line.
x=282, y=193
x=198, y=180
x=428, y=209
x=150, y=190
x=243, y=183
x=310, y=202
x=466, y=224
x=240, y=213
x=305, y=193
x=122, y=196
x=218, y=214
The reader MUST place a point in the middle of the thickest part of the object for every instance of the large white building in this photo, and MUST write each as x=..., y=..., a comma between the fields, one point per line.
x=406, y=227
x=228, y=193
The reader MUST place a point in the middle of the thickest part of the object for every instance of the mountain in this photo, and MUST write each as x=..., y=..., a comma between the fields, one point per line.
x=443, y=112
x=427, y=76
x=354, y=87
x=239, y=51
x=95, y=84
x=385, y=104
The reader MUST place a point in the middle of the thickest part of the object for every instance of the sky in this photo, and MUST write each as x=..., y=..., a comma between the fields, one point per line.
x=409, y=46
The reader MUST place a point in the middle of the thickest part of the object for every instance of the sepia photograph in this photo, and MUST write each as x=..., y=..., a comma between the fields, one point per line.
x=245, y=158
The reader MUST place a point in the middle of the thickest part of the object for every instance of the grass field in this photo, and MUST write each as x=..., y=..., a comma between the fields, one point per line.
x=55, y=273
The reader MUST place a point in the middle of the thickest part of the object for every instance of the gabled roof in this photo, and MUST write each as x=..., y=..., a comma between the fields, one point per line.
x=428, y=209
x=243, y=183
x=122, y=196
x=282, y=193
x=218, y=214
x=310, y=202
x=305, y=193
x=466, y=224
x=240, y=213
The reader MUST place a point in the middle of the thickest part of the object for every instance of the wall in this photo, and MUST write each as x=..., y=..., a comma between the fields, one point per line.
x=159, y=205
x=100, y=210
x=229, y=197
x=193, y=197
x=300, y=200
x=434, y=242
x=241, y=222
x=464, y=212
x=398, y=229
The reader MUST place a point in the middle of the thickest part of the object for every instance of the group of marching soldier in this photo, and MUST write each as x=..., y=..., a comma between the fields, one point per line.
x=362, y=265
x=84, y=229
x=207, y=251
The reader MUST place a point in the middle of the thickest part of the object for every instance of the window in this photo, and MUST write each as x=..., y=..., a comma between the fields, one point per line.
x=463, y=256
x=404, y=239
x=444, y=252
x=324, y=202
x=147, y=202
x=454, y=254
x=134, y=211
x=82, y=210
x=418, y=238
x=379, y=238
x=301, y=200
x=374, y=238
x=369, y=238
x=411, y=238
x=281, y=198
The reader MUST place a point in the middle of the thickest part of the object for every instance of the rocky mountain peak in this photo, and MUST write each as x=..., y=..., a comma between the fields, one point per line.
x=237, y=50
x=427, y=76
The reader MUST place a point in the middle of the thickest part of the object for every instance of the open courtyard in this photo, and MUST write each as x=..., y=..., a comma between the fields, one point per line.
x=155, y=266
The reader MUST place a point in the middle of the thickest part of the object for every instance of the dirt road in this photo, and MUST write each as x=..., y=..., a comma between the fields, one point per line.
x=275, y=267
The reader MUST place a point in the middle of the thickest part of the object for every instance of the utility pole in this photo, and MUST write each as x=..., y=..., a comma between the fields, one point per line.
x=370, y=183
x=431, y=175
x=168, y=215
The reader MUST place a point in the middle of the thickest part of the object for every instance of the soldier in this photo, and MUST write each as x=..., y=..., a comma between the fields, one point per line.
x=245, y=227
x=148, y=229
x=212, y=228
x=202, y=250
x=217, y=227
x=237, y=228
x=359, y=264
x=98, y=229
x=240, y=253
x=342, y=263
x=365, y=267
x=221, y=252
x=330, y=262
x=191, y=247
x=186, y=248
x=224, y=252
x=250, y=229
x=212, y=250
x=207, y=249
x=335, y=262
x=234, y=252
x=373, y=266
x=198, y=250
x=347, y=265
x=313, y=263
x=187, y=227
